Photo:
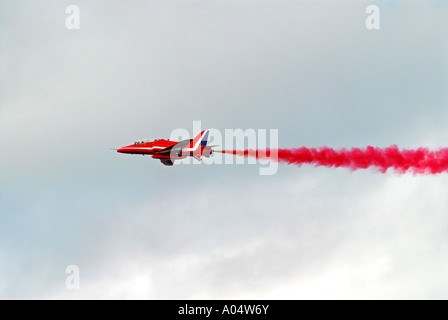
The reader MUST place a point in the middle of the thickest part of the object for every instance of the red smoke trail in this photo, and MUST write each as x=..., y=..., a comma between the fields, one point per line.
x=419, y=161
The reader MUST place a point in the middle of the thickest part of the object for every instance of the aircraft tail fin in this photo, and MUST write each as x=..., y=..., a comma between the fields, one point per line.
x=204, y=139
x=200, y=140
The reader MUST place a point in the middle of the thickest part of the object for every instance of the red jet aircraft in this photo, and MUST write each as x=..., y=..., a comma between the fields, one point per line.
x=169, y=151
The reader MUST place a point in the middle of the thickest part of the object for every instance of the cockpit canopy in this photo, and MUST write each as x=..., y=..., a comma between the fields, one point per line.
x=142, y=141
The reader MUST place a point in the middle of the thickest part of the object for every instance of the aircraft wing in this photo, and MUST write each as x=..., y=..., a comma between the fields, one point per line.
x=177, y=146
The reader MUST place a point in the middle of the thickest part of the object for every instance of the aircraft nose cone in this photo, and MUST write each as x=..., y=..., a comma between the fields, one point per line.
x=120, y=150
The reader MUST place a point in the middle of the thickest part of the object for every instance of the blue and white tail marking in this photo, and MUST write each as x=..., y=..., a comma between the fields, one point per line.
x=200, y=140
x=204, y=139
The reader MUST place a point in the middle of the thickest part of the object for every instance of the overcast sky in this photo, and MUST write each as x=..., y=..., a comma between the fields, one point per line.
x=138, y=229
